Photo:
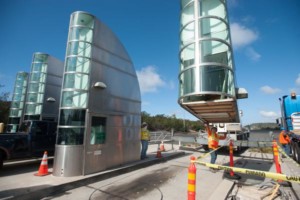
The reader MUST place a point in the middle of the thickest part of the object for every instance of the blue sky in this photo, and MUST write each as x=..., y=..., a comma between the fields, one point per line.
x=265, y=34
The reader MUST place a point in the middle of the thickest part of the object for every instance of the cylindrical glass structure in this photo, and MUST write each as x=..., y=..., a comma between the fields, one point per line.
x=206, y=60
x=76, y=80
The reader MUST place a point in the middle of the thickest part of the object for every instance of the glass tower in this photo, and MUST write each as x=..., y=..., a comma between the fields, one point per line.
x=76, y=80
x=43, y=88
x=206, y=60
x=36, y=87
x=18, y=101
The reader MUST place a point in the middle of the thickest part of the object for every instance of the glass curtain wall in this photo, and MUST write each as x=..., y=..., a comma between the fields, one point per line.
x=18, y=101
x=76, y=80
x=206, y=62
x=36, y=87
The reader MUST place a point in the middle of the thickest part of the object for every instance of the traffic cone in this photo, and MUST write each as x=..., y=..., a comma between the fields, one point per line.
x=158, y=154
x=162, y=146
x=43, y=170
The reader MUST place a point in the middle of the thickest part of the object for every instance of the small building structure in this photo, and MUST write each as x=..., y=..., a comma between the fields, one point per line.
x=44, y=88
x=100, y=108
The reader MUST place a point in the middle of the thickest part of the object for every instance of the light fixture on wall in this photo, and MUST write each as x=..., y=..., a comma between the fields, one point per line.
x=99, y=85
x=50, y=99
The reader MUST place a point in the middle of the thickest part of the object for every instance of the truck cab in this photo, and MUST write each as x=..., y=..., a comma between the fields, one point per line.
x=290, y=121
x=33, y=138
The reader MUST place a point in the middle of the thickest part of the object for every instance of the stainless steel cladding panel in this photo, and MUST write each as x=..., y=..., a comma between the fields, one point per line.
x=52, y=88
x=105, y=107
x=119, y=104
x=68, y=160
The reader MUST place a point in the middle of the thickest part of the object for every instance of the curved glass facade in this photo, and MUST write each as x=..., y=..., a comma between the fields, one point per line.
x=36, y=87
x=18, y=101
x=206, y=61
x=76, y=80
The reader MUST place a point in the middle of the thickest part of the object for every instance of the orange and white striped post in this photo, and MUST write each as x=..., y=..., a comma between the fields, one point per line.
x=231, y=156
x=276, y=157
x=192, y=179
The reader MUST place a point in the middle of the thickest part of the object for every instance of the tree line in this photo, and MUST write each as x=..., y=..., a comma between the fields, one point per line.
x=4, y=106
x=164, y=122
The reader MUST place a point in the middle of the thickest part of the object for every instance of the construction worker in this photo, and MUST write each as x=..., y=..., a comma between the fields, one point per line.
x=145, y=137
x=284, y=140
x=213, y=143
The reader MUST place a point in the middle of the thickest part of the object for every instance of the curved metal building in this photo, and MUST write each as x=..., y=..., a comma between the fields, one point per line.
x=100, y=108
x=207, y=80
x=44, y=85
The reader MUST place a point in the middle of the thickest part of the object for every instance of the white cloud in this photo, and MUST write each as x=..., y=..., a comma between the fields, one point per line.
x=149, y=79
x=268, y=114
x=252, y=54
x=241, y=35
x=269, y=90
x=298, y=80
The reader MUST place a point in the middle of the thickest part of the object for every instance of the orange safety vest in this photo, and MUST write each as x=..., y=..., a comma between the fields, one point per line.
x=213, y=139
x=283, y=138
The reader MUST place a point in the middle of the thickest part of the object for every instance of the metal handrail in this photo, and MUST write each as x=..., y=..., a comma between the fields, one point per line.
x=160, y=136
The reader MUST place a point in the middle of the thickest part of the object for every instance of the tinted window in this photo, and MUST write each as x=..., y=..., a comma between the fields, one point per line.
x=72, y=117
x=39, y=128
x=98, y=130
x=52, y=128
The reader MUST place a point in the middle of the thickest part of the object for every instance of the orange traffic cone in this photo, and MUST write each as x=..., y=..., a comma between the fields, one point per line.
x=158, y=154
x=162, y=146
x=43, y=170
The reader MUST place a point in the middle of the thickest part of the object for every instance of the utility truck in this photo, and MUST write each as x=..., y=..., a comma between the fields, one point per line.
x=290, y=121
x=226, y=132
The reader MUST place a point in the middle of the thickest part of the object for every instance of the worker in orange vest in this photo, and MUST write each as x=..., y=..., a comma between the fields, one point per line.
x=213, y=143
x=284, y=140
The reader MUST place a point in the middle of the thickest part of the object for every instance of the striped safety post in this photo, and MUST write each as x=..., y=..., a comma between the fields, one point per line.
x=276, y=157
x=192, y=179
x=231, y=156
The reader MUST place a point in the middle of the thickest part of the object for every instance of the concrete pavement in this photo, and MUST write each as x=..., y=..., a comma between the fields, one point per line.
x=153, y=178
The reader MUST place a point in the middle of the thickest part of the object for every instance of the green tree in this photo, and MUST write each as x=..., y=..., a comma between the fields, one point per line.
x=4, y=106
x=163, y=122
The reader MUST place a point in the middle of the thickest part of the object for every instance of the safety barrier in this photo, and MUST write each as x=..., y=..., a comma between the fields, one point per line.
x=288, y=157
x=231, y=157
x=276, y=157
x=159, y=136
x=192, y=179
x=263, y=174
x=231, y=169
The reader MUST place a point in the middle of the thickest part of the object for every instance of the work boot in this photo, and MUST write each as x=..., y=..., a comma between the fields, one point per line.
x=212, y=170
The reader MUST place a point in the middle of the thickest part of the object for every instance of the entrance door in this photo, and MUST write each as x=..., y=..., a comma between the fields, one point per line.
x=94, y=144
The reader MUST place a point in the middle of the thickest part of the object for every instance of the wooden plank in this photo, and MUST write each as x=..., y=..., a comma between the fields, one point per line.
x=214, y=111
